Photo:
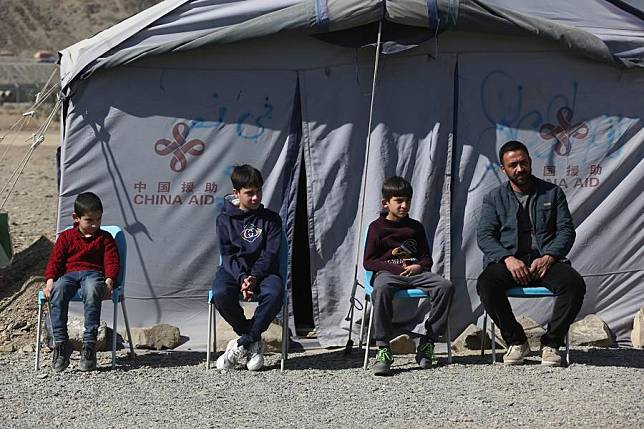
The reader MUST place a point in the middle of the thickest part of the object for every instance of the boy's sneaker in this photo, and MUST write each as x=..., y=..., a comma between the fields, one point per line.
x=255, y=358
x=384, y=359
x=88, y=357
x=231, y=356
x=550, y=356
x=516, y=353
x=60, y=357
x=425, y=354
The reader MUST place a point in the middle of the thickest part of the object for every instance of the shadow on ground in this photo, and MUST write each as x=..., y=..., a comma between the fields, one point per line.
x=337, y=360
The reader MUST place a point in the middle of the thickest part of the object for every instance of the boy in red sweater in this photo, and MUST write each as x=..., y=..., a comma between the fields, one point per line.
x=84, y=257
x=397, y=252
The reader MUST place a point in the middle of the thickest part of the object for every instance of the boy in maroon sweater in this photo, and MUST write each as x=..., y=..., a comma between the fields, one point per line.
x=397, y=252
x=84, y=257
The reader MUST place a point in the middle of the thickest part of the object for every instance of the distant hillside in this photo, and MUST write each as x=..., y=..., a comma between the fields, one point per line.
x=27, y=26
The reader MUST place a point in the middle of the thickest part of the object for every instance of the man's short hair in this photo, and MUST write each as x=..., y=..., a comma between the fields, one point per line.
x=396, y=186
x=510, y=146
x=87, y=202
x=246, y=176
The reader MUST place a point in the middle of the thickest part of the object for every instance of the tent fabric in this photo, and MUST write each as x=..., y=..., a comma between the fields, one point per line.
x=156, y=139
x=596, y=28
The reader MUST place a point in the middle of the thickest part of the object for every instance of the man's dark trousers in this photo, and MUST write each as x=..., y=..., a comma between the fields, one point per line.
x=226, y=296
x=561, y=279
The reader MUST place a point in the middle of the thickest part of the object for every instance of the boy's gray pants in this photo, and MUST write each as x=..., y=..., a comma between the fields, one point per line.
x=386, y=284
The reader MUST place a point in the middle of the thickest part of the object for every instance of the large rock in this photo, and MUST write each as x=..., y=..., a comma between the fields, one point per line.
x=637, y=335
x=590, y=331
x=157, y=337
x=272, y=336
x=533, y=331
x=75, y=329
x=403, y=345
x=470, y=339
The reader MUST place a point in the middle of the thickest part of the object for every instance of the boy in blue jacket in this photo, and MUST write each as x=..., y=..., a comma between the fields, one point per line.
x=249, y=242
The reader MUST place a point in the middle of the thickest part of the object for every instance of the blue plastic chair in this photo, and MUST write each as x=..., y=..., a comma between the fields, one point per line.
x=212, y=323
x=521, y=292
x=118, y=296
x=401, y=294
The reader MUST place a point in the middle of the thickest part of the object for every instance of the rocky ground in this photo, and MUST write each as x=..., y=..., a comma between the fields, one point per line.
x=32, y=223
x=602, y=388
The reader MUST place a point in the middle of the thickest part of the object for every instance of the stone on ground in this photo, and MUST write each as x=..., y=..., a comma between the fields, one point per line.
x=403, y=345
x=590, y=331
x=637, y=335
x=75, y=329
x=272, y=337
x=470, y=339
x=533, y=332
x=157, y=337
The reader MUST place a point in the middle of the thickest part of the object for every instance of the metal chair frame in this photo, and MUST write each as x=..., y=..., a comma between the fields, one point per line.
x=520, y=292
x=118, y=296
x=211, y=346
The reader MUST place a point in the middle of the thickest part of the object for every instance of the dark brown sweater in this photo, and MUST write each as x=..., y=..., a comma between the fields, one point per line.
x=385, y=236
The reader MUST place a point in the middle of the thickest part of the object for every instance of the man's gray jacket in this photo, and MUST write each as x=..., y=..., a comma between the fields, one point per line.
x=497, y=233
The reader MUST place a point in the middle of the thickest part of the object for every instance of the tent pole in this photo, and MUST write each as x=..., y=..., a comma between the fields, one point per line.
x=349, y=345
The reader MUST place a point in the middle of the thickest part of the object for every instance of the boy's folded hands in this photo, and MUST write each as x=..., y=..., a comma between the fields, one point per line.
x=411, y=270
x=247, y=287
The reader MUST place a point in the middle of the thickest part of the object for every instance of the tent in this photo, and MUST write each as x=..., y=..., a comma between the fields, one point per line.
x=158, y=108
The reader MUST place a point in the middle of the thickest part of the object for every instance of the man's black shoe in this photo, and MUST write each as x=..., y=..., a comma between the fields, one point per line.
x=88, y=357
x=60, y=357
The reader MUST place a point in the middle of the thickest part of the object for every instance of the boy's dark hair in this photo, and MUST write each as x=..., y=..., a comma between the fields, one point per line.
x=396, y=186
x=510, y=146
x=87, y=202
x=246, y=176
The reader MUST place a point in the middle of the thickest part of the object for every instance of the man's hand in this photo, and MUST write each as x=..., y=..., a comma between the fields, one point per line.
x=247, y=287
x=540, y=266
x=48, y=288
x=109, y=287
x=518, y=269
x=411, y=270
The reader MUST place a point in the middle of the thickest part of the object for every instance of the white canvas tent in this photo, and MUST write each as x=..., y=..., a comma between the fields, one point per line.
x=159, y=107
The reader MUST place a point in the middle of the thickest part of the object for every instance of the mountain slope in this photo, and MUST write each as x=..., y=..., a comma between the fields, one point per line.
x=27, y=26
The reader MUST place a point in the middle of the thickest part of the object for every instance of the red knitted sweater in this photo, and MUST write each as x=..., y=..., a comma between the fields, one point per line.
x=73, y=252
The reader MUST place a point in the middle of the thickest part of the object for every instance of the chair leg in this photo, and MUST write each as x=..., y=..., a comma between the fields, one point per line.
x=37, y=366
x=366, y=348
x=364, y=318
x=214, y=329
x=449, y=339
x=493, y=340
x=484, y=333
x=114, y=334
x=568, y=348
x=284, y=333
x=127, y=328
x=209, y=340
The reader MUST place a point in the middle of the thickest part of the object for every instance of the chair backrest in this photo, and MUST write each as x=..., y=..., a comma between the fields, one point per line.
x=119, y=237
x=368, y=275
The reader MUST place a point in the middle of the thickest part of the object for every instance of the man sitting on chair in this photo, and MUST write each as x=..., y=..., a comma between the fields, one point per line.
x=525, y=232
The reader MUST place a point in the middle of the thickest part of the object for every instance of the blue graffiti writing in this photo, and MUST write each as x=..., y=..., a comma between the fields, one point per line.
x=249, y=125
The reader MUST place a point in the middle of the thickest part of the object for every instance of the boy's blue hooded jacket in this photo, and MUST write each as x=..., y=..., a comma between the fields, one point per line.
x=249, y=241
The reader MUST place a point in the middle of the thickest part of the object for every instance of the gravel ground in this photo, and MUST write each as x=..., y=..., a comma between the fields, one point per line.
x=603, y=388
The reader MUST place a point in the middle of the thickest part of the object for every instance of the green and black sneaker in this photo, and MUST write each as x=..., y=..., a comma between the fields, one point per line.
x=384, y=359
x=425, y=354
